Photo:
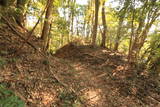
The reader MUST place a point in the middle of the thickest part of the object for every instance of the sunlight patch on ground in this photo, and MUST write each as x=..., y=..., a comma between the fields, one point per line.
x=105, y=51
x=120, y=68
x=47, y=98
x=93, y=96
x=78, y=67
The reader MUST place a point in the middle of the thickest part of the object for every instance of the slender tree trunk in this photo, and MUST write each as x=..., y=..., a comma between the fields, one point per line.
x=49, y=38
x=21, y=16
x=131, y=37
x=71, y=17
x=47, y=22
x=78, y=28
x=72, y=23
x=118, y=36
x=103, y=43
x=84, y=27
x=122, y=14
x=62, y=40
x=94, y=32
x=90, y=26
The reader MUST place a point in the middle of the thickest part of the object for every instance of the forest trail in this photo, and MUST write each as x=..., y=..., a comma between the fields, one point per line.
x=91, y=85
x=99, y=77
x=88, y=84
x=76, y=76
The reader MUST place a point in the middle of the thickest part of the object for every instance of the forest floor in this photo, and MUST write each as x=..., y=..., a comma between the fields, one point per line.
x=104, y=78
x=76, y=76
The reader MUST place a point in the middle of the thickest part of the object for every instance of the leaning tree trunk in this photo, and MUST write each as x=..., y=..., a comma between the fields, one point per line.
x=47, y=23
x=94, y=32
x=149, y=11
x=103, y=43
x=138, y=43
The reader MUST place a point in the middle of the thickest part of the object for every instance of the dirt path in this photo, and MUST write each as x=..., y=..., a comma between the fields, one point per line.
x=94, y=86
x=97, y=76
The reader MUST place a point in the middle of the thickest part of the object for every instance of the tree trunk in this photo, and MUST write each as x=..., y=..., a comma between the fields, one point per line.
x=4, y=2
x=47, y=23
x=8, y=10
x=121, y=16
x=94, y=32
x=103, y=43
x=21, y=15
x=131, y=37
x=118, y=36
x=142, y=33
x=71, y=3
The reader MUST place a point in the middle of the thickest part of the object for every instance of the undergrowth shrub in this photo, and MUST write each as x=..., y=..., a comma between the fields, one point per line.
x=9, y=99
x=154, y=56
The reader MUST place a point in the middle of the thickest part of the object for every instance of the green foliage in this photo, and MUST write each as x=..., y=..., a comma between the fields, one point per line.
x=124, y=46
x=2, y=52
x=151, y=54
x=58, y=3
x=155, y=49
x=12, y=60
x=9, y=99
x=2, y=62
x=60, y=32
x=18, y=11
x=62, y=25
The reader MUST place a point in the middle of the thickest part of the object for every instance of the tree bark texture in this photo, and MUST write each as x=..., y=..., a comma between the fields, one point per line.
x=47, y=23
x=94, y=32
